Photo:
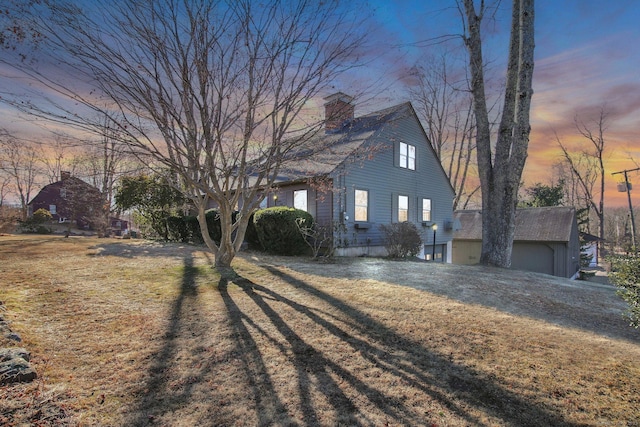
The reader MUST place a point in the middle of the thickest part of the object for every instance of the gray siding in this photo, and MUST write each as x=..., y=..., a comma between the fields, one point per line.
x=554, y=258
x=385, y=180
x=573, y=257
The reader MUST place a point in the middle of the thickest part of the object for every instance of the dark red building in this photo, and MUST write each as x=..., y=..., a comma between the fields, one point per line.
x=70, y=200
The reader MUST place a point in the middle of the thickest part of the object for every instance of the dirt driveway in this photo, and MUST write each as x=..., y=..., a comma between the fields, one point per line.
x=589, y=305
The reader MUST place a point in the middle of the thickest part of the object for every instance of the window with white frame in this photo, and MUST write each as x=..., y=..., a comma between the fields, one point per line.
x=52, y=209
x=362, y=205
x=426, y=209
x=407, y=156
x=403, y=208
x=300, y=200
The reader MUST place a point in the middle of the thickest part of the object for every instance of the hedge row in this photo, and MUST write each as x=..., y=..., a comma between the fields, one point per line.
x=274, y=230
x=186, y=229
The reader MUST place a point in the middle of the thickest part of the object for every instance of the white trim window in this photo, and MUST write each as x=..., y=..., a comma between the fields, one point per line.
x=426, y=210
x=361, y=205
x=407, y=156
x=52, y=209
x=403, y=208
x=300, y=200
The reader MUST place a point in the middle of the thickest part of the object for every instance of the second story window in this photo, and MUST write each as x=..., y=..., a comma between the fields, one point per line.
x=362, y=205
x=426, y=209
x=403, y=208
x=300, y=200
x=407, y=156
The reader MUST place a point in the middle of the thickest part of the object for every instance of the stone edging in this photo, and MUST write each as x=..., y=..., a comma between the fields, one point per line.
x=14, y=361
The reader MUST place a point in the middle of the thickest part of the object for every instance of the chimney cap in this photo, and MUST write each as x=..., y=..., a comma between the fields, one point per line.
x=338, y=96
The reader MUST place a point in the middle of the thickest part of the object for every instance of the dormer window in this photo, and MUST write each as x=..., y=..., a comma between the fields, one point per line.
x=63, y=193
x=407, y=156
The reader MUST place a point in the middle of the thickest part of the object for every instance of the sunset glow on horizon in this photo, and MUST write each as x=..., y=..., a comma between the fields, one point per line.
x=586, y=62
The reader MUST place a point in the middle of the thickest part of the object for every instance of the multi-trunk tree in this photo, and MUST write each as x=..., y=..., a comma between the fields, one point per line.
x=500, y=162
x=213, y=91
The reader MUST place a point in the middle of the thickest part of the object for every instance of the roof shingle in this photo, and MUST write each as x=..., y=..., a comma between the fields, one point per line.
x=547, y=224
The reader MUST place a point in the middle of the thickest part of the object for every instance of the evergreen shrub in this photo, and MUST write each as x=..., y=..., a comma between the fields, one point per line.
x=625, y=274
x=278, y=230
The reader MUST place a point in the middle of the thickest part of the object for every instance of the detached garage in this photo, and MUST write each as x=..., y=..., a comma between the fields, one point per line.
x=546, y=240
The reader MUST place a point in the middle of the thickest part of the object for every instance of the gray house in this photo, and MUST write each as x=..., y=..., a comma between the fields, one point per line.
x=546, y=240
x=375, y=169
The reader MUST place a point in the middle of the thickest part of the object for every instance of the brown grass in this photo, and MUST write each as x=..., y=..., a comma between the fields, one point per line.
x=132, y=333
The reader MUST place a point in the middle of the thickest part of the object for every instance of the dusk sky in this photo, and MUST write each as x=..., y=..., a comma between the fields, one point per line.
x=587, y=58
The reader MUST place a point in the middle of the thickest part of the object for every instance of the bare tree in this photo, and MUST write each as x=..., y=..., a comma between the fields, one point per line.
x=215, y=91
x=102, y=161
x=587, y=167
x=8, y=213
x=19, y=160
x=5, y=182
x=500, y=168
x=52, y=156
x=562, y=173
x=445, y=104
x=618, y=229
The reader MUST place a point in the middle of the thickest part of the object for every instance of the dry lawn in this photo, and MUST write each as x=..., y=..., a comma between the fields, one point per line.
x=133, y=333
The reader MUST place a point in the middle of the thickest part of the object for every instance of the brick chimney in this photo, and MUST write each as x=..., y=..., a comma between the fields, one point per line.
x=64, y=175
x=338, y=108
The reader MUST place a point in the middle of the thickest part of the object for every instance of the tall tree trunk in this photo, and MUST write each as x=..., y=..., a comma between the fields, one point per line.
x=500, y=173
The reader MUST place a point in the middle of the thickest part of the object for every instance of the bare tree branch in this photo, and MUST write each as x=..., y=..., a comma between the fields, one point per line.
x=213, y=91
x=587, y=165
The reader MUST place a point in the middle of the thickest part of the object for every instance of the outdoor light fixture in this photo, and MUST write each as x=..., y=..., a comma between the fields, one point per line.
x=275, y=200
x=433, y=254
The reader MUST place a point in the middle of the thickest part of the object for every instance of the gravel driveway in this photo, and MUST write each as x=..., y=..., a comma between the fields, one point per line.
x=590, y=305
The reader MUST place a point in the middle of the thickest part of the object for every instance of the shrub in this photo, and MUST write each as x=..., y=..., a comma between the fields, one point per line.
x=278, y=232
x=319, y=237
x=145, y=229
x=187, y=228
x=178, y=229
x=36, y=224
x=625, y=274
x=193, y=228
x=251, y=235
x=42, y=216
x=401, y=239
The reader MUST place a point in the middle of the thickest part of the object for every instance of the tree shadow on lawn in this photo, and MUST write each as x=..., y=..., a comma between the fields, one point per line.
x=183, y=366
x=201, y=394
x=413, y=365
